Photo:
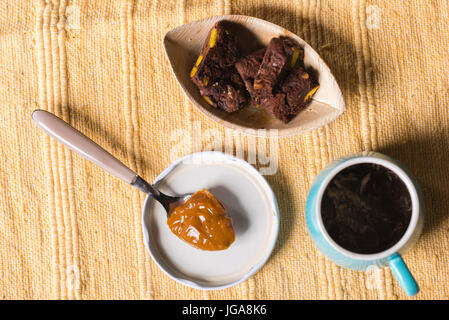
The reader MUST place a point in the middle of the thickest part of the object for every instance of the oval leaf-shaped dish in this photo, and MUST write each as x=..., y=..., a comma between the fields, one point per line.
x=183, y=45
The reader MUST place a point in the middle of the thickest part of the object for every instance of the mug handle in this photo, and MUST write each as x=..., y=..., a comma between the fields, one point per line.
x=402, y=274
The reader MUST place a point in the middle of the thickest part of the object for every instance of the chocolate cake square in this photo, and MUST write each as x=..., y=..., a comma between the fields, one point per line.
x=292, y=96
x=281, y=55
x=248, y=67
x=228, y=94
x=214, y=72
x=282, y=85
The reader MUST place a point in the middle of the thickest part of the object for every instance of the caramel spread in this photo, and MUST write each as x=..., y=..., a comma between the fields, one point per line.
x=203, y=222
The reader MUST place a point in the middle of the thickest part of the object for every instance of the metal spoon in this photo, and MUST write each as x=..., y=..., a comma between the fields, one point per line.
x=85, y=147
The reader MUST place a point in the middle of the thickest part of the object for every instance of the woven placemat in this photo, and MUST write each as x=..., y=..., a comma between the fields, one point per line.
x=70, y=230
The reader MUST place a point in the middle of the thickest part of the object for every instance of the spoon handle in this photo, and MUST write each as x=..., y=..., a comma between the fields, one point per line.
x=79, y=143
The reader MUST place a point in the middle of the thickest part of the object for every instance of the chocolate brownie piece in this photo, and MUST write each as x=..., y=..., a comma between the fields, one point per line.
x=281, y=55
x=228, y=94
x=282, y=86
x=214, y=73
x=292, y=96
x=248, y=67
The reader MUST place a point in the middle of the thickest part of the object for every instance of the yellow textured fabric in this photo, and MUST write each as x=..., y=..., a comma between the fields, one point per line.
x=68, y=230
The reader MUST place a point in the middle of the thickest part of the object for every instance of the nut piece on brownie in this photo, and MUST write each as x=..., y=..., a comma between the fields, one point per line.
x=248, y=67
x=214, y=73
x=282, y=85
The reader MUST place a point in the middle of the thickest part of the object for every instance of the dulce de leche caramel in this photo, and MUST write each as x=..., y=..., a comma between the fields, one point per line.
x=203, y=222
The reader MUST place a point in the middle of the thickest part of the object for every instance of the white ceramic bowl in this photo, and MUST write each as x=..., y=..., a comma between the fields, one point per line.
x=250, y=202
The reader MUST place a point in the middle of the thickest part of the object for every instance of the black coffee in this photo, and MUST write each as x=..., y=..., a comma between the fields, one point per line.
x=366, y=208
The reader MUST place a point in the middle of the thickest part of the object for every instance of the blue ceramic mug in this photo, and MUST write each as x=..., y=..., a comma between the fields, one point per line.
x=390, y=257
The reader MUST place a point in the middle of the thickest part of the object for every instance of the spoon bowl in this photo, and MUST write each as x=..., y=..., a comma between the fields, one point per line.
x=183, y=46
